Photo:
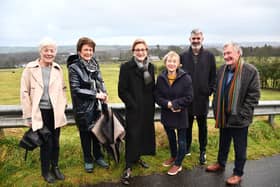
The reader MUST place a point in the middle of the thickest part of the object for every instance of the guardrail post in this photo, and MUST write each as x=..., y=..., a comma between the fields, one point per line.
x=2, y=135
x=271, y=119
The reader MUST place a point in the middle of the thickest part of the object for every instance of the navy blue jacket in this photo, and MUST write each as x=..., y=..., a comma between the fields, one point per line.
x=180, y=93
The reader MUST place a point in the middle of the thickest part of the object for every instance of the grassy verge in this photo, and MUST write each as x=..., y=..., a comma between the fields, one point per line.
x=14, y=171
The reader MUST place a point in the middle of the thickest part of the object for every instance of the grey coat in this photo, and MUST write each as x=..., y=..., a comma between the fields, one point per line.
x=248, y=97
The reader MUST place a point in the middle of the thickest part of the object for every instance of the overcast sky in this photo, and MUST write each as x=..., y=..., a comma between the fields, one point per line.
x=26, y=22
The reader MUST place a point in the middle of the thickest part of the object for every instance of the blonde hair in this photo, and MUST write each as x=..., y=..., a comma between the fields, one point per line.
x=47, y=42
x=171, y=54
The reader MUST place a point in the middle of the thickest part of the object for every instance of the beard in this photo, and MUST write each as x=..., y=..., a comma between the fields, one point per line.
x=196, y=46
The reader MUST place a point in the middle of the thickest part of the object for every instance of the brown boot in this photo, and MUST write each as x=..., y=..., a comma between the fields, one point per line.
x=215, y=167
x=233, y=180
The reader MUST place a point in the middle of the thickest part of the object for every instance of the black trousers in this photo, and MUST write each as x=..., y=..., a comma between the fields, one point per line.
x=90, y=144
x=239, y=136
x=202, y=132
x=49, y=151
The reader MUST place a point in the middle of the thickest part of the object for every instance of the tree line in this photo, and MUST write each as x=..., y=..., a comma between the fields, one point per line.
x=266, y=59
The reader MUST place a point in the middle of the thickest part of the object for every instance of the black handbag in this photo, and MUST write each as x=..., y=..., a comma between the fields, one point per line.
x=32, y=139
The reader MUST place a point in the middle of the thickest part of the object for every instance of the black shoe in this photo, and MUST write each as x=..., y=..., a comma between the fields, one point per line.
x=126, y=176
x=57, y=174
x=202, y=158
x=143, y=164
x=49, y=177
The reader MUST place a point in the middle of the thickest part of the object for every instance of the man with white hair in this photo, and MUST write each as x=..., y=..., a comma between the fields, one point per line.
x=237, y=93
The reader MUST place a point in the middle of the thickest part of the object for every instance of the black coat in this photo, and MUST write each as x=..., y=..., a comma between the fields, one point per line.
x=83, y=92
x=179, y=93
x=140, y=107
x=203, y=74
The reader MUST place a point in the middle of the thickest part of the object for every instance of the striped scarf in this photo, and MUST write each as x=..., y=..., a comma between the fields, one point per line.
x=232, y=98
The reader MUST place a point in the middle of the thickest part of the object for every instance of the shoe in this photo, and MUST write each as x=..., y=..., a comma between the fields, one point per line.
x=49, y=177
x=215, y=167
x=174, y=170
x=143, y=164
x=57, y=174
x=233, y=180
x=202, y=158
x=126, y=176
x=188, y=152
x=169, y=162
x=101, y=162
x=89, y=167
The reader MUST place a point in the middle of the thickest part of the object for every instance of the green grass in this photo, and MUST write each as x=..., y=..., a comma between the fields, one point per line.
x=14, y=171
x=10, y=83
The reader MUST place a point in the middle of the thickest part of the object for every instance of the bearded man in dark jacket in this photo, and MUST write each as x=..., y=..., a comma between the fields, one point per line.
x=200, y=64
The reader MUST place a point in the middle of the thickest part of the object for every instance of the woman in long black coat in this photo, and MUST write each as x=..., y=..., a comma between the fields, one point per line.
x=135, y=88
x=174, y=94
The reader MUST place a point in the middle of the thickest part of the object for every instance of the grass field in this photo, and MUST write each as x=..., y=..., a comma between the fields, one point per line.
x=264, y=140
x=10, y=81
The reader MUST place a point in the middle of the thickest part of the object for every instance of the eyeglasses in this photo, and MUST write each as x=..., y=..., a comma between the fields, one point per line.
x=139, y=50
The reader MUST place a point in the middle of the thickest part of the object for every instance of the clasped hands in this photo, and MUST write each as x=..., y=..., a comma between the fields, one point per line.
x=170, y=106
x=102, y=96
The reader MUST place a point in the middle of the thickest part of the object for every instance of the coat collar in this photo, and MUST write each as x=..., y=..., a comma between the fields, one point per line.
x=180, y=73
x=37, y=72
x=191, y=50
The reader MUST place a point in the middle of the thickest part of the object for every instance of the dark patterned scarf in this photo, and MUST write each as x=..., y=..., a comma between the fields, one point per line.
x=233, y=95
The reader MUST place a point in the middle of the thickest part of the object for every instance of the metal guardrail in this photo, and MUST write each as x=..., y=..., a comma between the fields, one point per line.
x=10, y=115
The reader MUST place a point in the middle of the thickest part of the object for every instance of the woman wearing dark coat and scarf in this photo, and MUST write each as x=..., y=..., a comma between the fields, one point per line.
x=174, y=94
x=135, y=88
x=87, y=91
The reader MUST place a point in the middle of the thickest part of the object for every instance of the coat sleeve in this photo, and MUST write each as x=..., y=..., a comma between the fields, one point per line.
x=63, y=87
x=75, y=85
x=25, y=94
x=160, y=97
x=253, y=94
x=212, y=75
x=183, y=102
x=123, y=88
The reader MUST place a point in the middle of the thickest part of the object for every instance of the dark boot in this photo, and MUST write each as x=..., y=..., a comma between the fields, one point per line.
x=202, y=158
x=126, y=176
x=49, y=177
x=57, y=174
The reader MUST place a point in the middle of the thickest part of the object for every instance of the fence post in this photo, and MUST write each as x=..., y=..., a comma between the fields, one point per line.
x=271, y=119
x=2, y=135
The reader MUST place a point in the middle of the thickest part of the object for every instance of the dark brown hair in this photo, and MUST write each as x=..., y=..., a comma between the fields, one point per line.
x=85, y=41
x=139, y=41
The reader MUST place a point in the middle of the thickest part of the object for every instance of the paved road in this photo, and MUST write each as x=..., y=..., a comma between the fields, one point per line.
x=258, y=173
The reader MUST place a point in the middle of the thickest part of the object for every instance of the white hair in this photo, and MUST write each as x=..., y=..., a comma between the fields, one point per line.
x=235, y=46
x=47, y=42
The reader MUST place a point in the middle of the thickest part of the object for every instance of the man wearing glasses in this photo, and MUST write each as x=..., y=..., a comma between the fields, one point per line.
x=200, y=64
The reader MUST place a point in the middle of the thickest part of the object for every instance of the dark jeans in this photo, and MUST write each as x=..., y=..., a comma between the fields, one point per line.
x=49, y=152
x=239, y=136
x=202, y=132
x=178, y=153
x=90, y=144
